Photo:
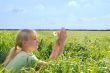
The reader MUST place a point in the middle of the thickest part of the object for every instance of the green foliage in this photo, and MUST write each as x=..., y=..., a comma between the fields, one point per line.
x=84, y=52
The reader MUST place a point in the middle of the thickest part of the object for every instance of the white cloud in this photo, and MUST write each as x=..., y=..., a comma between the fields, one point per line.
x=11, y=8
x=72, y=3
x=95, y=18
x=40, y=7
x=86, y=5
x=17, y=10
x=83, y=0
x=79, y=3
x=89, y=19
x=107, y=16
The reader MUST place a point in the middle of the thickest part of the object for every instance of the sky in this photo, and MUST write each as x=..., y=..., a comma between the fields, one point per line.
x=54, y=14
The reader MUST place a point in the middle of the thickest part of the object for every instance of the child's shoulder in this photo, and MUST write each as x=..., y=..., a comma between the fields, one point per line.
x=22, y=53
x=29, y=55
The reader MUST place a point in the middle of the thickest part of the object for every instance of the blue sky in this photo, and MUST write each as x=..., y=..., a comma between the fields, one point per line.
x=54, y=14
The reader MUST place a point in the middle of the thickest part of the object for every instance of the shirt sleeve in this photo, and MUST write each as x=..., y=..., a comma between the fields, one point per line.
x=32, y=61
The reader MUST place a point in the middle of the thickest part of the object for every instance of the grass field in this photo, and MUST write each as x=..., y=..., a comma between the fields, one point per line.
x=84, y=51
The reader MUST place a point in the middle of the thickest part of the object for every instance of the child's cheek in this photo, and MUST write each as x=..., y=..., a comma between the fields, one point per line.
x=35, y=43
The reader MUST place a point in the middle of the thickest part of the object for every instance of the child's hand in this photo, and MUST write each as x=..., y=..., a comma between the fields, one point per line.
x=62, y=35
x=40, y=64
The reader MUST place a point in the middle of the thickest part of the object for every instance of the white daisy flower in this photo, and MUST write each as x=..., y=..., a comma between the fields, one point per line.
x=54, y=33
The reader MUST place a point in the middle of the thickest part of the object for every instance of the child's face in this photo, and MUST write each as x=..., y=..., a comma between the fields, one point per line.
x=32, y=42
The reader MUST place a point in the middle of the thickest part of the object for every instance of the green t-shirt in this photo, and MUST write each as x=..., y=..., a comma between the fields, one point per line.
x=22, y=59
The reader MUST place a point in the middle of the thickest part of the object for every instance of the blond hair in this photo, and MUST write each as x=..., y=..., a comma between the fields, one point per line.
x=22, y=36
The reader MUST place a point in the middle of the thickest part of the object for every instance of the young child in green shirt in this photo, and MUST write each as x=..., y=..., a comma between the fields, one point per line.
x=27, y=42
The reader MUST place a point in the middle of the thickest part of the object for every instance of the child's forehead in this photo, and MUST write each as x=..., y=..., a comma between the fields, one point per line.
x=34, y=35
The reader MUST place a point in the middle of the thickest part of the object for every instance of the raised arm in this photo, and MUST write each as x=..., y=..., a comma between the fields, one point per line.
x=59, y=44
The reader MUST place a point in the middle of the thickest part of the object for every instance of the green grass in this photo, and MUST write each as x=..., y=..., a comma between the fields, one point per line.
x=84, y=51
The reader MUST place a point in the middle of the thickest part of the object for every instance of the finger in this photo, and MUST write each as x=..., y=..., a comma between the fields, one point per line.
x=58, y=34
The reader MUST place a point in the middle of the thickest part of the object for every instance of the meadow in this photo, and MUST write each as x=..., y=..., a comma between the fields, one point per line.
x=84, y=51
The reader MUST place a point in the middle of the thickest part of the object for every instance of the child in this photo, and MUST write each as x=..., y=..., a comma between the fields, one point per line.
x=26, y=42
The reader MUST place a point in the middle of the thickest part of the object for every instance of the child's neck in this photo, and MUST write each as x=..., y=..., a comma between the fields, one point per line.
x=27, y=50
